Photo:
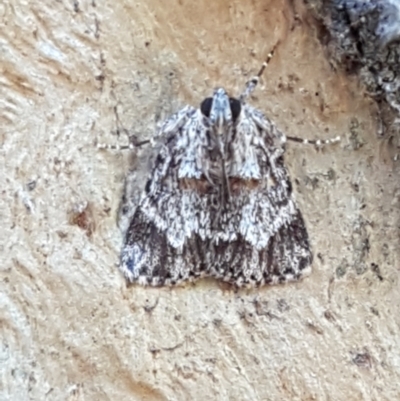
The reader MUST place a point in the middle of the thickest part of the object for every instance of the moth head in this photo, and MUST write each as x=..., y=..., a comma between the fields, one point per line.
x=221, y=109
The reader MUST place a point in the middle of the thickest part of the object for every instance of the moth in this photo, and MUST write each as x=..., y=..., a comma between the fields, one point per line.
x=219, y=201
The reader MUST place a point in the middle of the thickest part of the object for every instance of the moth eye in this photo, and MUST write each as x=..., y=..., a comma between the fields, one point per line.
x=205, y=106
x=160, y=158
x=236, y=107
x=148, y=186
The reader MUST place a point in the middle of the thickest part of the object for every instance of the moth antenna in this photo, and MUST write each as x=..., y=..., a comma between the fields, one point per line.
x=251, y=85
x=133, y=144
x=316, y=142
x=114, y=147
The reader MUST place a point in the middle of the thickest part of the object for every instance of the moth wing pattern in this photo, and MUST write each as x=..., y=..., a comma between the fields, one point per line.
x=271, y=244
x=161, y=244
x=184, y=228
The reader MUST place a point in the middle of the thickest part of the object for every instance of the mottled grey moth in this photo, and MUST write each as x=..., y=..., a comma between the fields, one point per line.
x=219, y=201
